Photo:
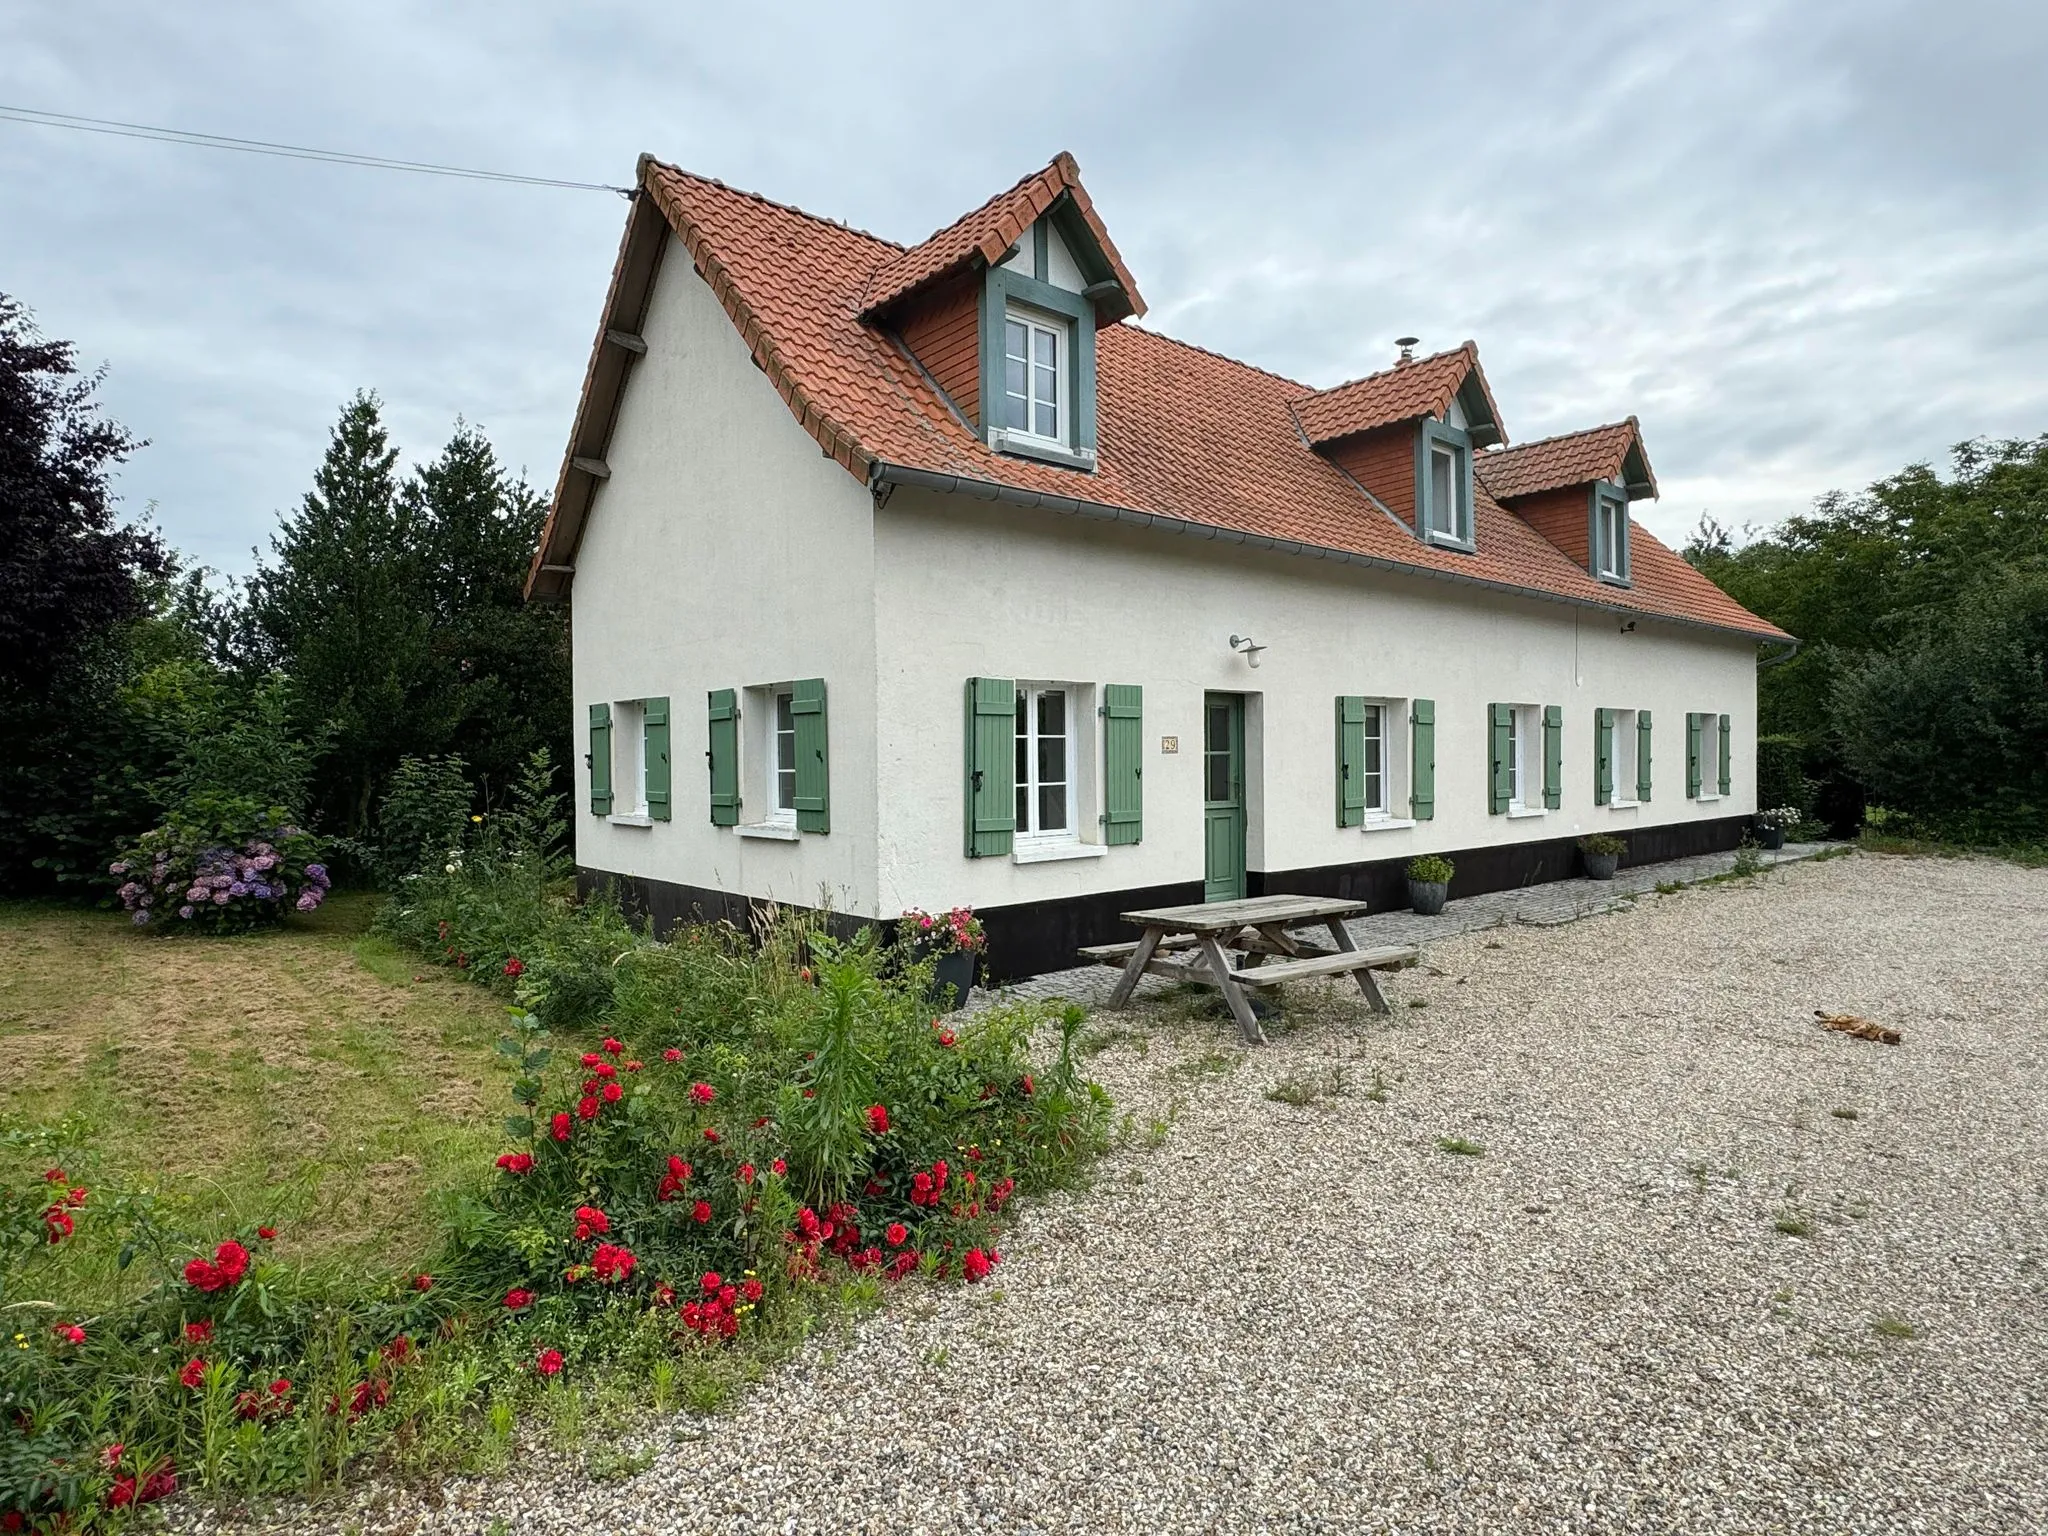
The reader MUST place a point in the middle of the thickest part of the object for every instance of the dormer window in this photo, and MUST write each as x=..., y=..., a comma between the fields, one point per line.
x=1034, y=351
x=1443, y=492
x=1610, y=533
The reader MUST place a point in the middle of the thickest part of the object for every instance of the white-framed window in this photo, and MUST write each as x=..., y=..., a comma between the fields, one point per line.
x=1377, y=769
x=1034, y=374
x=1444, y=496
x=1525, y=759
x=1610, y=533
x=1048, y=730
x=1444, y=474
x=629, y=758
x=780, y=758
x=1626, y=741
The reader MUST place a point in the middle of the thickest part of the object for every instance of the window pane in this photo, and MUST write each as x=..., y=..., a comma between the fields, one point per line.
x=1218, y=729
x=1045, y=350
x=1514, y=758
x=1052, y=712
x=1052, y=808
x=1016, y=339
x=1046, y=381
x=1443, y=491
x=1052, y=760
x=1218, y=787
x=1048, y=422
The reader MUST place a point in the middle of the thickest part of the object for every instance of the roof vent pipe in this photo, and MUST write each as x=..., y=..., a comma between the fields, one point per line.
x=1407, y=346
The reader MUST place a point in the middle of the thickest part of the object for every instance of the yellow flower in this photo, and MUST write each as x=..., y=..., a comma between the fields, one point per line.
x=476, y=818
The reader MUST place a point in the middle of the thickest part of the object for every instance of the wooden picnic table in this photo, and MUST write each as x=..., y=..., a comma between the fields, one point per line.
x=1259, y=928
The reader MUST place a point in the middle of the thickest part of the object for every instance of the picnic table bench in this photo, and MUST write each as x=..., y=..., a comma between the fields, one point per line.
x=1258, y=928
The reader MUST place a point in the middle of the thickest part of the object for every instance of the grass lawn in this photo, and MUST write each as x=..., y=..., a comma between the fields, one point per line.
x=317, y=1077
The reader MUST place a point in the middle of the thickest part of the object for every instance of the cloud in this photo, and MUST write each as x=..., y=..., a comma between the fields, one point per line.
x=1801, y=243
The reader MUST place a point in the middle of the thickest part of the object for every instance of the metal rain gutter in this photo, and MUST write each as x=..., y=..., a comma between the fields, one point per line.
x=881, y=473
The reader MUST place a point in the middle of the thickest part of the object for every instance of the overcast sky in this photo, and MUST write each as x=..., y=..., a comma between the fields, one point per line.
x=1805, y=243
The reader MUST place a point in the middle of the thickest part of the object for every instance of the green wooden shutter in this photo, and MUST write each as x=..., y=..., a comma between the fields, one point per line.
x=1643, y=755
x=1553, y=756
x=1500, y=721
x=1603, y=756
x=1726, y=759
x=600, y=759
x=722, y=758
x=1123, y=764
x=1350, y=760
x=813, y=764
x=991, y=789
x=654, y=732
x=1692, y=757
x=1422, y=760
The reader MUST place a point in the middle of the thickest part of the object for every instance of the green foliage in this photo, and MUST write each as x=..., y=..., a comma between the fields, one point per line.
x=1431, y=869
x=1602, y=844
x=423, y=818
x=1922, y=605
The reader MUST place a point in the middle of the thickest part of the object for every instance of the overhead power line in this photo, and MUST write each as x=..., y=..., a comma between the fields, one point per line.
x=286, y=151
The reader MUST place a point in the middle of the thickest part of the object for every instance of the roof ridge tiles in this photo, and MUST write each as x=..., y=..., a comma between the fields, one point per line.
x=770, y=202
x=1468, y=346
x=1559, y=437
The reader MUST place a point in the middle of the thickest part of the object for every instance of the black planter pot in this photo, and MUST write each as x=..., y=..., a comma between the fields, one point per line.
x=1428, y=896
x=1601, y=866
x=1770, y=837
x=954, y=979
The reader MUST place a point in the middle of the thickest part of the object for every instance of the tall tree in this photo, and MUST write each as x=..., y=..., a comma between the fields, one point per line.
x=507, y=662
x=344, y=608
x=73, y=580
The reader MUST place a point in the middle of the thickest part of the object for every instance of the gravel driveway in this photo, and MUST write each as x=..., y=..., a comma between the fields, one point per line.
x=1278, y=1317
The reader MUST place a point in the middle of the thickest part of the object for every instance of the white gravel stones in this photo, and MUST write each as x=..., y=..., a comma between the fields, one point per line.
x=1277, y=1318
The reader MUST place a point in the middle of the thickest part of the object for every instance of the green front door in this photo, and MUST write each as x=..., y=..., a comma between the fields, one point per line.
x=1223, y=796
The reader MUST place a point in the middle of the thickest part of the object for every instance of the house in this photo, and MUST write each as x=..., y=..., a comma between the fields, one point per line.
x=923, y=575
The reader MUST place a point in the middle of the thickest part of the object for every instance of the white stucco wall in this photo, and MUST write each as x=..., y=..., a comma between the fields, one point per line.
x=975, y=588
x=725, y=551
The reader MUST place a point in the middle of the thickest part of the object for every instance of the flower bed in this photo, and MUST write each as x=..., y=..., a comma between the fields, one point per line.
x=753, y=1137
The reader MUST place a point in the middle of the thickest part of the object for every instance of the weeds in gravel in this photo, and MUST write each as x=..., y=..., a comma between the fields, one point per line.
x=1302, y=1090
x=1094, y=1042
x=1749, y=862
x=1458, y=1146
x=1209, y=1064
x=1843, y=1114
x=1418, y=1002
x=1886, y=1326
x=1792, y=1224
x=1495, y=944
x=1379, y=1092
x=1670, y=887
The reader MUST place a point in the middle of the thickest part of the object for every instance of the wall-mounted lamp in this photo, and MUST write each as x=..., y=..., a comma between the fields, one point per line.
x=1244, y=643
x=1629, y=628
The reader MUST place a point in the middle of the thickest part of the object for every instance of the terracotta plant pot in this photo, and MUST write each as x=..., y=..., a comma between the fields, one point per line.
x=1428, y=896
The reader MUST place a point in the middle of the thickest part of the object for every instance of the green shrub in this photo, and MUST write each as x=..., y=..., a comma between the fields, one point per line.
x=423, y=819
x=1431, y=869
x=1602, y=845
x=236, y=869
x=1781, y=777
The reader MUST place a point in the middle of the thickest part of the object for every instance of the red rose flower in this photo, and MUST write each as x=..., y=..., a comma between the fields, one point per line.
x=120, y=1496
x=56, y=1176
x=515, y=967
x=897, y=1234
x=751, y=1289
x=268, y=1234
x=232, y=1260
x=878, y=1119
x=200, y=1332
x=746, y=1173
x=671, y=1055
x=516, y=1162
x=548, y=1362
x=587, y=1106
x=779, y=1166
x=635, y=1066
x=611, y=1262
x=701, y=1211
x=517, y=1300
x=193, y=1373
x=203, y=1276
x=605, y=1069
x=75, y=1198
x=711, y=1135
x=710, y=1282
x=69, y=1333
x=57, y=1223
x=591, y=1059
x=560, y=1127
x=423, y=1282
x=977, y=1264
x=703, y=1093
x=612, y=1046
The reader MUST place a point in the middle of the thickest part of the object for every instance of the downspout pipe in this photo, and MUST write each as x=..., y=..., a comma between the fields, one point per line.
x=882, y=474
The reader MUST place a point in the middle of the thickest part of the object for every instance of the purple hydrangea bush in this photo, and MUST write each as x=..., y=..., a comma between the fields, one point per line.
x=177, y=880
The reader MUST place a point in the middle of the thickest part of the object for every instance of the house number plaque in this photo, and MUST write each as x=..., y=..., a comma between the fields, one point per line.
x=1169, y=743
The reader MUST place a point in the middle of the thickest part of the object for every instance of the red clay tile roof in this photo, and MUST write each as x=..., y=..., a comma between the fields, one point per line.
x=989, y=232
x=1404, y=392
x=1182, y=435
x=1575, y=458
